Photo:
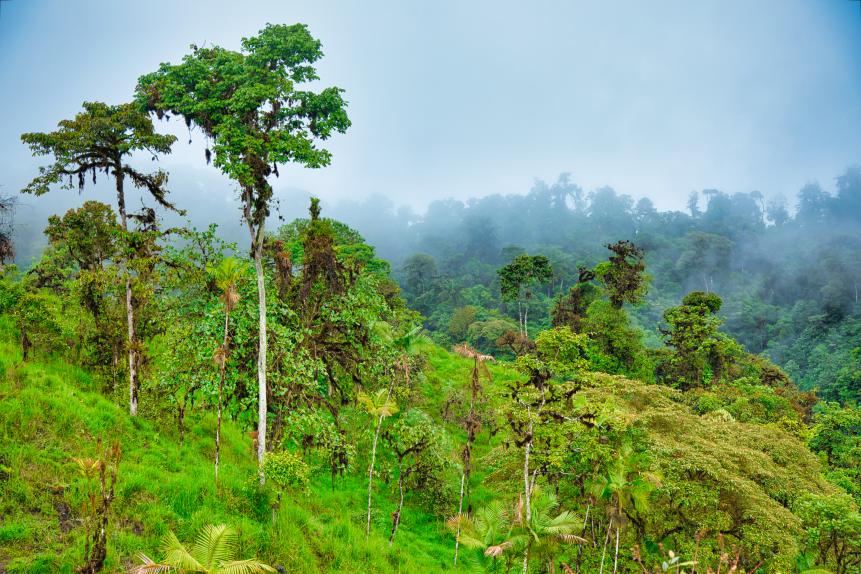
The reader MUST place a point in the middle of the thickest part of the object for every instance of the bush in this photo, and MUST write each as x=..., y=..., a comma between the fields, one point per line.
x=286, y=470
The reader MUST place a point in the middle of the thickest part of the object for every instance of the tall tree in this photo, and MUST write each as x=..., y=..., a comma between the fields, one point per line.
x=252, y=108
x=517, y=280
x=623, y=274
x=102, y=138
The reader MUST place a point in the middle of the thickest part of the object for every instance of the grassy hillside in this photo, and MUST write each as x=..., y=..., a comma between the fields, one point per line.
x=715, y=473
x=51, y=411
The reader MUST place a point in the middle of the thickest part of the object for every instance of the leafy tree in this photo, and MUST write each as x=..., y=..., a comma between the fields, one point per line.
x=102, y=138
x=517, y=280
x=692, y=332
x=626, y=486
x=418, y=446
x=250, y=105
x=623, y=274
x=460, y=321
x=213, y=552
x=570, y=310
x=833, y=528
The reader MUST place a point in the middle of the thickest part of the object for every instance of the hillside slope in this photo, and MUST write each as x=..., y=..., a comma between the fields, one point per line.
x=51, y=412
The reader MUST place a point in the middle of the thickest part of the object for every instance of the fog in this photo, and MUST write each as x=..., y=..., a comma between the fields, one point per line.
x=459, y=100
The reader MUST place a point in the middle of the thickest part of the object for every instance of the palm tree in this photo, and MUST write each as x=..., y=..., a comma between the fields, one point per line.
x=227, y=275
x=213, y=552
x=627, y=488
x=502, y=531
x=382, y=407
x=379, y=406
x=479, y=371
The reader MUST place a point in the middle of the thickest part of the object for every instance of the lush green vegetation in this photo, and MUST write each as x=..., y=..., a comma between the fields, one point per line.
x=169, y=403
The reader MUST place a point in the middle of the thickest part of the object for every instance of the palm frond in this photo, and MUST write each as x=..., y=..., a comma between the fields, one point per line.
x=178, y=556
x=497, y=549
x=378, y=404
x=250, y=566
x=214, y=544
x=148, y=566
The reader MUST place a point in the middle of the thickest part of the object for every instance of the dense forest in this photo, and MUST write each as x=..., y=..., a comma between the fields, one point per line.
x=560, y=381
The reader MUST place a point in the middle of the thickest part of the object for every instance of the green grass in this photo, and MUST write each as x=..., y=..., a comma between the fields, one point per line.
x=51, y=411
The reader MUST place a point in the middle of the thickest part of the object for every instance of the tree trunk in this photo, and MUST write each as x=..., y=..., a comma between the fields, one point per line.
x=526, y=448
x=220, y=393
x=130, y=311
x=459, y=517
x=616, y=559
x=261, y=351
x=25, y=345
x=526, y=560
x=180, y=422
x=604, y=551
x=396, y=519
x=582, y=535
x=520, y=316
x=371, y=473
x=526, y=320
x=374, y=459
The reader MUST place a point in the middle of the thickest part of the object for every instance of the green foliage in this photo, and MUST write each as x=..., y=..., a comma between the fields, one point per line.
x=623, y=274
x=251, y=107
x=833, y=529
x=286, y=470
x=214, y=552
x=99, y=138
x=693, y=336
x=565, y=352
x=521, y=274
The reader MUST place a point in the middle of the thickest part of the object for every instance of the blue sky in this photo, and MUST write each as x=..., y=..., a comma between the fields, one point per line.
x=464, y=98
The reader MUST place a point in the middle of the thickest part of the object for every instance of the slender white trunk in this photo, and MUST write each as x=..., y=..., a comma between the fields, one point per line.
x=133, y=371
x=261, y=353
x=526, y=560
x=130, y=311
x=373, y=461
x=520, y=316
x=397, y=520
x=220, y=393
x=604, y=551
x=459, y=517
x=371, y=473
x=526, y=320
x=616, y=559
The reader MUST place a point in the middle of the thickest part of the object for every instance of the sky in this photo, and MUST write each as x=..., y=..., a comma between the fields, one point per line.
x=457, y=98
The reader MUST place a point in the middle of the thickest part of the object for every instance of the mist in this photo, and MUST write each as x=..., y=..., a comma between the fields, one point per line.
x=468, y=100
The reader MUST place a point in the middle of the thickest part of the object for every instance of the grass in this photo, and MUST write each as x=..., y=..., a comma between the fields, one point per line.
x=51, y=411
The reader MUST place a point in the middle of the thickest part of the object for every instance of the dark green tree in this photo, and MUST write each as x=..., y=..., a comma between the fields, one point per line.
x=255, y=112
x=692, y=332
x=624, y=274
x=103, y=138
x=518, y=278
